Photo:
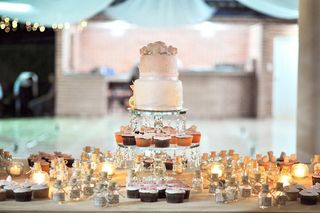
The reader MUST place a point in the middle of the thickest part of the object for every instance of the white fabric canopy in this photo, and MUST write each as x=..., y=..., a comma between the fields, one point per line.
x=285, y=9
x=48, y=12
x=161, y=13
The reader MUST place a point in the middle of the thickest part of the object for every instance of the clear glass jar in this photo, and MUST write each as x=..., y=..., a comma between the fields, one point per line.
x=245, y=187
x=265, y=197
x=74, y=190
x=132, y=179
x=232, y=190
x=197, y=182
x=204, y=162
x=214, y=183
x=100, y=194
x=279, y=195
x=257, y=185
x=76, y=166
x=58, y=193
x=220, y=195
x=113, y=194
x=87, y=187
x=37, y=175
x=105, y=179
x=53, y=169
x=178, y=166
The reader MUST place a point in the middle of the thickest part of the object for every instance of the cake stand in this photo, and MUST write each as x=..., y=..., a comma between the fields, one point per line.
x=125, y=155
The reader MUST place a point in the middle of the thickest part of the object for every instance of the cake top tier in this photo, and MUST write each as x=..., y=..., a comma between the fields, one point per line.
x=158, y=61
x=158, y=48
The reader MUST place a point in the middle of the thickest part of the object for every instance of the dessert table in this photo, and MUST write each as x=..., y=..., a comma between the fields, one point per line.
x=198, y=202
x=202, y=202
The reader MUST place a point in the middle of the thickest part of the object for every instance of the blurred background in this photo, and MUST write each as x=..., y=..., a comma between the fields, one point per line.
x=66, y=70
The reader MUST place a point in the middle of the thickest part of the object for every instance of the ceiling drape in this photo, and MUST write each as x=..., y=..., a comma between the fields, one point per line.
x=285, y=9
x=161, y=13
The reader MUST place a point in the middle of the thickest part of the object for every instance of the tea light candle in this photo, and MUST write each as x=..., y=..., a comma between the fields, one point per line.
x=108, y=167
x=300, y=170
x=285, y=179
x=40, y=177
x=15, y=170
x=216, y=169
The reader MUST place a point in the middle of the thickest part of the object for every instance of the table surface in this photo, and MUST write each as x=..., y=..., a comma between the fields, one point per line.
x=202, y=202
x=198, y=202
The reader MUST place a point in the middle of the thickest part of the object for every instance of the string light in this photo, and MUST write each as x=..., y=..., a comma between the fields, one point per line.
x=8, y=25
x=42, y=29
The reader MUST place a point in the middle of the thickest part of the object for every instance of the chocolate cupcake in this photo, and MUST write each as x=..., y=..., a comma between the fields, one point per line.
x=9, y=190
x=3, y=195
x=133, y=192
x=292, y=193
x=308, y=197
x=315, y=179
x=169, y=164
x=175, y=195
x=23, y=194
x=128, y=139
x=40, y=191
x=148, y=195
x=161, y=191
x=187, y=190
x=162, y=141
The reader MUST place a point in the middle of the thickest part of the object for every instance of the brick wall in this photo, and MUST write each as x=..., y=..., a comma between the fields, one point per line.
x=76, y=94
x=96, y=47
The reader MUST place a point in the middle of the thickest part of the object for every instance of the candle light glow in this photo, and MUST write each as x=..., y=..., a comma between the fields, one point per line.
x=300, y=170
x=108, y=167
x=216, y=169
x=285, y=179
x=40, y=177
x=15, y=170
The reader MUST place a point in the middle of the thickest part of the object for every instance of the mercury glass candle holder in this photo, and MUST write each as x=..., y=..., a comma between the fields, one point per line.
x=15, y=168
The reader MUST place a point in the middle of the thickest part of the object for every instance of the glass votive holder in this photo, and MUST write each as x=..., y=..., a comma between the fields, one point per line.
x=15, y=168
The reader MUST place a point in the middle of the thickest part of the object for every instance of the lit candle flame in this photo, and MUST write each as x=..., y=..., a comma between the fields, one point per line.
x=216, y=169
x=107, y=167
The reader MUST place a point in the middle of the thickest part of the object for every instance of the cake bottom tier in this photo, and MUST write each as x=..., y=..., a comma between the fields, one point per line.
x=158, y=95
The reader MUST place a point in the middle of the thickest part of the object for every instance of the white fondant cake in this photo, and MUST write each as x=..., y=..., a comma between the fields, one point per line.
x=158, y=87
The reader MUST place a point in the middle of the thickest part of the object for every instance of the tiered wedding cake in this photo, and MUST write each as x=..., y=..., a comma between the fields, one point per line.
x=158, y=88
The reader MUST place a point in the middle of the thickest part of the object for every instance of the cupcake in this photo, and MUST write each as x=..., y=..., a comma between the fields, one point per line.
x=195, y=134
x=174, y=139
x=40, y=191
x=23, y=194
x=9, y=190
x=308, y=197
x=148, y=195
x=184, y=140
x=143, y=140
x=118, y=137
x=315, y=179
x=128, y=139
x=316, y=188
x=3, y=195
x=187, y=190
x=26, y=184
x=292, y=193
x=175, y=195
x=168, y=164
x=161, y=191
x=133, y=192
x=162, y=141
